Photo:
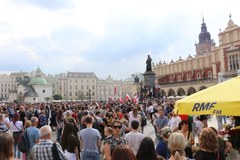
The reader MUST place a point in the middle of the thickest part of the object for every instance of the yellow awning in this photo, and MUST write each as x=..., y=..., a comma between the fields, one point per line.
x=221, y=99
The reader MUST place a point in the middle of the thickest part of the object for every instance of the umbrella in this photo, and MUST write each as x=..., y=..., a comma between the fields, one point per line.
x=171, y=97
x=220, y=99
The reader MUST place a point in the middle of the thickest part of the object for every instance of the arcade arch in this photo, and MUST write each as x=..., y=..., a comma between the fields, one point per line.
x=171, y=92
x=181, y=92
x=191, y=90
x=202, y=88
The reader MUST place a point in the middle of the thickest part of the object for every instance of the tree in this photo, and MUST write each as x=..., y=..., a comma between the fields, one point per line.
x=57, y=97
x=25, y=80
x=81, y=96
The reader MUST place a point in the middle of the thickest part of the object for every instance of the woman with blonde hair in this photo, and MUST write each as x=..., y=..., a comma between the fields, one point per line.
x=135, y=117
x=176, y=145
x=6, y=147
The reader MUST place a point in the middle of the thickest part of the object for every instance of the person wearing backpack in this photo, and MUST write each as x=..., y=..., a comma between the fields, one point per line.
x=33, y=136
x=42, y=118
x=143, y=118
x=46, y=149
x=16, y=126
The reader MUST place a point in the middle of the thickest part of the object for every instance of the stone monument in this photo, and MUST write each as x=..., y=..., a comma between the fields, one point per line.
x=149, y=75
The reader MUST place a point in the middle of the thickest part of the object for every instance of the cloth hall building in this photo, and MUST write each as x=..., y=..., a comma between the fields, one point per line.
x=185, y=77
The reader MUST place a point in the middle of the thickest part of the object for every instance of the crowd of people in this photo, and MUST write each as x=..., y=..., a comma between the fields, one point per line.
x=110, y=130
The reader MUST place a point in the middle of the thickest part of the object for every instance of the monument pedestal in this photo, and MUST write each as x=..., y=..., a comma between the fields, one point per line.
x=149, y=79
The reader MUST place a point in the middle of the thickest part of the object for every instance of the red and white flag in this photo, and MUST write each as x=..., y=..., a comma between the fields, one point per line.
x=110, y=98
x=121, y=100
x=135, y=99
x=115, y=89
x=128, y=97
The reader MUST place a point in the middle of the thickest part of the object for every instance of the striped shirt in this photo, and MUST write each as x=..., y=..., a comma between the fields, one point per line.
x=43, y=151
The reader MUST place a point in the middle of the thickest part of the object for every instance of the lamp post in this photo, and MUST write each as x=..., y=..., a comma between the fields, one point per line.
x=89, y=94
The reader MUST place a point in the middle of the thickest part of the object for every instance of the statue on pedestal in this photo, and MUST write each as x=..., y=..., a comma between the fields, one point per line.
x=149, y=63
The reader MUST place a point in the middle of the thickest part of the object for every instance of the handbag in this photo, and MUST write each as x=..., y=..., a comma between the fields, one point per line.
x=17, y=134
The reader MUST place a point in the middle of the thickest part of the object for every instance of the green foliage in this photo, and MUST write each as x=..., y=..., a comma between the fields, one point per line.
x=57, y=97
x=25, y=80
x=81, y=96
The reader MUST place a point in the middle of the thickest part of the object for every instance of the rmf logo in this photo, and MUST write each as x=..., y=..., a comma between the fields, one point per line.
x=203, y=106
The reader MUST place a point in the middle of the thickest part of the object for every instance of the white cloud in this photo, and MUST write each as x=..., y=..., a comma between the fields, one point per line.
x=106, y=37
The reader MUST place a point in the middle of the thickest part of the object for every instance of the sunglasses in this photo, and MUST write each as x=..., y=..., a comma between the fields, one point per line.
x=115, y=127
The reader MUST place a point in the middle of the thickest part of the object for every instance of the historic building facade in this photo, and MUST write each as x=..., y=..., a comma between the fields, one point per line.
x=81, y=86
x=108, y=88
x=132, y=86
x=185, y=77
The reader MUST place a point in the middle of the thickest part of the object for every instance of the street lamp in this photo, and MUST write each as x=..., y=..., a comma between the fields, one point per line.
x=89, y=94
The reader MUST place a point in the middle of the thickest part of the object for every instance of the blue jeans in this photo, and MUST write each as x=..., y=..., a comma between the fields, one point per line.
x=59, y=133
x=90, y=156
x=17, y=153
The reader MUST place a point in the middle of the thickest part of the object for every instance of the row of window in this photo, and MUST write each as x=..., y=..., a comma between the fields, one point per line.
x=199, y=76
x=76, y=81
x=81, y=93
x=3, y=95
x=5, y=85
x=82, y=87
x=5, y=90
x=81, y=75
x=234, y=61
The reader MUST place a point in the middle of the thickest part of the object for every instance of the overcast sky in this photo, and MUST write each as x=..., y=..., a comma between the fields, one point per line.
x=108, y=37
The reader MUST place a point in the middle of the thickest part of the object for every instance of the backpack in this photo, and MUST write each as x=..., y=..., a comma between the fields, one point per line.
x=144, y=119
x=42, y=120
x=55, y=152
x=23, y=144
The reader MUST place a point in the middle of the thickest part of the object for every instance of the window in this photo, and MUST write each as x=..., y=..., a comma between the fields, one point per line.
x=209, y=74
x=76, y=93
x=82, y=87
x=44, y=91
x=171, y=79
x=198, y=76
x=179, y=78
x=87, y=88
x=70, y=81
x=70, y=93
x=188, y=77
x=93, y=87
x=76, y=81
x=70, y=87
x=87, y=80
x=76, y=87
x=233, y=61
x=93, y=81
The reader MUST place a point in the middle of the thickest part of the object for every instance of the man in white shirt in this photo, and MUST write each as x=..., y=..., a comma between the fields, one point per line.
x=174, y=122
x=134, y=138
